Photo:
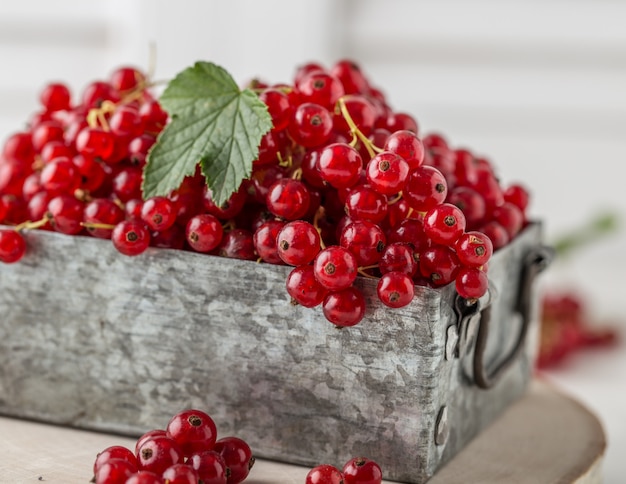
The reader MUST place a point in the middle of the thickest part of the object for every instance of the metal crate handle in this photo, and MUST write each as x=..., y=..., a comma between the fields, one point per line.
x=535, y=262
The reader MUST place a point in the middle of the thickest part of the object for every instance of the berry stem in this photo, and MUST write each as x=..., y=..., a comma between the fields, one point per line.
x=95, y=225
x=363, y=271
x=316, y=218
x=32, y=225
x=357, y=134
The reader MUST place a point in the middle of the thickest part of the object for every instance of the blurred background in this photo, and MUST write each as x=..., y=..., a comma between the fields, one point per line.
x=538, y=87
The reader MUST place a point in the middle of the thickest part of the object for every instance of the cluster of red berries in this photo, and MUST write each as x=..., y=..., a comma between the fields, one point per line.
x=343, y=185
x=358, y=470
x=566, y=328
x=186, y=452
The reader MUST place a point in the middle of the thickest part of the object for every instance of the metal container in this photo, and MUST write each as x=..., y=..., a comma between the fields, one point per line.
x=93, y=339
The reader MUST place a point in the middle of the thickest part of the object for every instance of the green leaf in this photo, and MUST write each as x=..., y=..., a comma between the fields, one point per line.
x=213, y=123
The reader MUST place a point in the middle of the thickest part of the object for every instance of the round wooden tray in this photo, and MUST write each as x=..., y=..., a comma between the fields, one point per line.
x=544, y=438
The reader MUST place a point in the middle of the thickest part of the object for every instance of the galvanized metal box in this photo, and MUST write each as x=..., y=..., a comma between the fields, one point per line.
x=93, y=339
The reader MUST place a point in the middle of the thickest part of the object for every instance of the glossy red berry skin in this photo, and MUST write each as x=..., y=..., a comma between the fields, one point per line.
x=351, y=76
x=366, y=203
x=406, y=144
x=145, y=477
x=365, y=240
x=131, y=237
x=193, y=430
x=471, y=203
x=12, y=246
x=335, y=268
x=229, y=209
x=425, y=188
x=265, y=241
x=114, y=471
x=60, y=176
x=159, y=213
x=510, y=217
x=210, y=466
x=288, y=198
x=126, y=78
x=473, y=249
x=237, y=244
x=298, y=243
x=159, y=453
x=304, y=288
x=147, y=436
x=324, y=474
x=362, y=112
x=55, y=97
x=471, y=283
x=399, y=257
x=102, y=211
x=320, y=88
x=439, y=264
x=95, y=142
x=180, y=474
x=497, y=234
x=395, y=289
x=114, y=452
x=387, y=172
x=361, y=470
x=204, y=232
x=444, y=223
x=339, y=165
x=237, y=456
x=517, y=195
x=66, y=213
x=345, y=307
x=310, y=125
x=278, y=106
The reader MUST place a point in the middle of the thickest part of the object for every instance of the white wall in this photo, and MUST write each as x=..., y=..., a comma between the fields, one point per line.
x=537, y=86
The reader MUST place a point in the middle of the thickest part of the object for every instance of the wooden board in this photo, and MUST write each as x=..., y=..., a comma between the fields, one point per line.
x=544, y=438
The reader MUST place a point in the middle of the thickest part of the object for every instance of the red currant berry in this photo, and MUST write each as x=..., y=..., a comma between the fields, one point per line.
x=399, y=257
x=126, y=78
x=159, y=453
x=12, y=246
x=310, y=125
x=204, y=232
x=407, y=145
x=335, y=268
x=365, y=240
x=229, y=209
x=345, y=307
x=102, y=211
x=298, y=243
x=387, y=172
x=340, y=165
x=496, y=233
x=60, y=176
x=237, y=456
x=153, y=117
x=114, y=452
x=517, y=195
x=97, y=92
x=66, y=214
x=304, y=288
x=410, y=231
x=95, y=142
x=471, y=283
x=158, y=213
x=470, y=202
x=324, y=474
x=114, y=471
x=351, y=76
x=439, y=264
x=55, y=97
x=145, y=477
x=361, y=111
x=193, y=430
x=365, y=203
x=131, y=237
x=474, y=249
x=210, y=466
x=147, y=436
x=278, y=106
x=510, y=217
x=265, y=241
x=321, y=88
x=18, y=148
x=237, y=244
x=444, y=223
x=125, y=122
x=288, y=198
x=127, y=183
x=361, y=470
x=180, y=474
x=395, y=289
x=425, y=188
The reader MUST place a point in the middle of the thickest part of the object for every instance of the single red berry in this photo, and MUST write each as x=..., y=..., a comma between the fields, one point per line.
x=324, y=474
x=410, y=231
x=159, y=213
x=114, y=471
x=298, y=243
x=335, y=268
x=351, y=76
x=407, y=145
x=12, y=246
x=55, y=97
x=102, y=211
x=362, y=112
x=145, y=477
x=45, y=133
x=131, y=237
x=265, y=241
x=147, y=436
x=194, y=430
x=97, y=92
x=345, y=307
x=210, y=466
x=125, y=122
x=66, y=214
x=395, y=289
x=304, y=288
x=288, y=198
x=399, y=257
x=126, y=78
x=510, y=217
x=387, y=172
x=227, y=210
x=340, y=165
x=471, y=203
x=159, y=453
x=237, y=244
x=180, y=474
x=471, y=282
x=366, y=203
x=444, y=223
x=60, y=176
x=517, y=195
x=425, y=188
x=237, y=456
x=497, y=234
x=114, y=452
x=127, y=183
x=95, y=142
x=321, y=88
x=474, y=249
x=153, y=117
x=278, y=106
x=365, y=240
x=18, y=148
x=310, y=125
x=439, y=264
x=361, y=470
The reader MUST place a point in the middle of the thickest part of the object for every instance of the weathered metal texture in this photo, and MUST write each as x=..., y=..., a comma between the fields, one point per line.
x=93, y=339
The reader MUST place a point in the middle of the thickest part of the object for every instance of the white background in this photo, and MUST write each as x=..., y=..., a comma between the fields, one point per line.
x=539, y=87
